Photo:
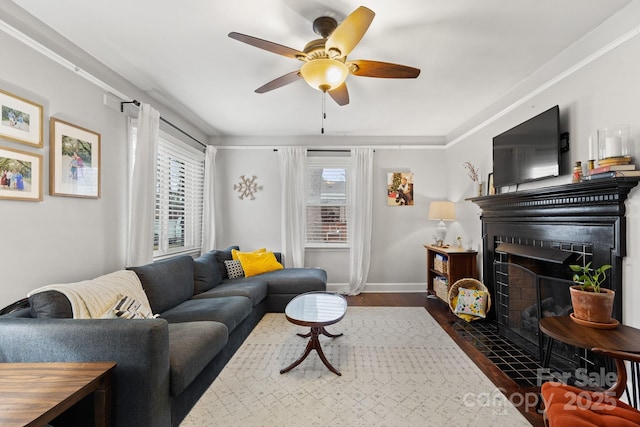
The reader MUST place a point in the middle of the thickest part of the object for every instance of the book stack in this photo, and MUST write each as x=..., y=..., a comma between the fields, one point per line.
x=613, y=167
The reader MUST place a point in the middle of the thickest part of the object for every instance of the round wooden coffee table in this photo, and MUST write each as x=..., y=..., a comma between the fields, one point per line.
x=315, y=310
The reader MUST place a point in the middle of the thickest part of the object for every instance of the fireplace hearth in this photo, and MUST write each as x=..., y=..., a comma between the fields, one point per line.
x=529, y=239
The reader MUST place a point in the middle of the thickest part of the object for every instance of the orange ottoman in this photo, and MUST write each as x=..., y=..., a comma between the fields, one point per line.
x=570, y=406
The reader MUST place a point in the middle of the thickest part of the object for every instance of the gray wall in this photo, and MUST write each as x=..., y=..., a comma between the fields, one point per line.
x=61, y=238
x=398, y=257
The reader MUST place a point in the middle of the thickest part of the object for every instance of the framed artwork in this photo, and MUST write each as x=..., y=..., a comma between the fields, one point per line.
x=74, y=161
x=21, y=120
x=20, y=175
x=400, y=189
x=491, y=190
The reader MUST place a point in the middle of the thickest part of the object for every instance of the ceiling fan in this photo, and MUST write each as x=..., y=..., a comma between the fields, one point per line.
x=325, y=65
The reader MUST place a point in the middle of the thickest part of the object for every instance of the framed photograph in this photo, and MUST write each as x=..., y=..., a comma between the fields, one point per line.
x=491, y=190
x=74, y=161
x=20, y=175
x=399, y=189
x=21, y=120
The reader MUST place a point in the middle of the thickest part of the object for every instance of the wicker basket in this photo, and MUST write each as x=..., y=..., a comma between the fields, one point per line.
x=467, y=284
x=441, y=266
x=440, y=287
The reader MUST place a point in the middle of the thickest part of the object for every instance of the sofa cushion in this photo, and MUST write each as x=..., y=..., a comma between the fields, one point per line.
x=192, y=346
x=50, y=304
x=167, y=283
x=228, y=310
x=223, y=255
x=253, y=288
x=206, y=273
x=295, y=280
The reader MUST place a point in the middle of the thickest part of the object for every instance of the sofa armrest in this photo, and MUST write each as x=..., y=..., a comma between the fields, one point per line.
x=140, y=347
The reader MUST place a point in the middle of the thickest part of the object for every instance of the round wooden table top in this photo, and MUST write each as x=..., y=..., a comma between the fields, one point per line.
x=563, y=329
x=316, y=309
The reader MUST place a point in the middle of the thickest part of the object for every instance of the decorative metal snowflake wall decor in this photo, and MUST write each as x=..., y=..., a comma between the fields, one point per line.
x=247, y=187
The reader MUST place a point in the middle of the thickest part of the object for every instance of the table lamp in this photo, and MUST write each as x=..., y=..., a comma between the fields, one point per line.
x=443, y=211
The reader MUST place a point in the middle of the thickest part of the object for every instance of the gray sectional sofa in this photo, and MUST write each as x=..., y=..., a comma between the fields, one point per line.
x=166, y=363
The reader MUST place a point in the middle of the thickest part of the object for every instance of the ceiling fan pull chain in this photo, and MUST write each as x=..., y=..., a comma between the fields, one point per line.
x=324, y=115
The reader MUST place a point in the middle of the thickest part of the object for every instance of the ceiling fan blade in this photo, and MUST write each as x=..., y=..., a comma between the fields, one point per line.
x=268, y=46
x=387, y=70
x=340, y=94
x=349, y=33
x=280, y=81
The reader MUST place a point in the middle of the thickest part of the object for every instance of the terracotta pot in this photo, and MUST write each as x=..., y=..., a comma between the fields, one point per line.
x=592, y=306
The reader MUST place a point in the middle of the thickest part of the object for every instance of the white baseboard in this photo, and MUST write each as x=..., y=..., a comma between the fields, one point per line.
x=382, y=287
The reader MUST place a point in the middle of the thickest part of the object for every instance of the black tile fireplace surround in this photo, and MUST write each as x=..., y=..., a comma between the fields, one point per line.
x=531, y=236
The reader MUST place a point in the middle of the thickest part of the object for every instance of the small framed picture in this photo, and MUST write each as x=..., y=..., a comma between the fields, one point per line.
x=21, y=120
x=74, y=161
x=20, y=175
x=400, y=189
x=491, y=190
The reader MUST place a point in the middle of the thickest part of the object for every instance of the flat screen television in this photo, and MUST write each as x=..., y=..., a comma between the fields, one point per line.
x=529, y=151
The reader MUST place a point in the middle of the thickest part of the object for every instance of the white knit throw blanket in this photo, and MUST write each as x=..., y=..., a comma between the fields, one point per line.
x=92, y=299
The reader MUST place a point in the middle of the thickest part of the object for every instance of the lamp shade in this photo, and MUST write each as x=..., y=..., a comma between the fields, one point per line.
x=324, y=74
x=445, y=211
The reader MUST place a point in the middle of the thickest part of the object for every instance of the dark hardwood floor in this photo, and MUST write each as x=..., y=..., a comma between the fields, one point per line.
x=441, y=313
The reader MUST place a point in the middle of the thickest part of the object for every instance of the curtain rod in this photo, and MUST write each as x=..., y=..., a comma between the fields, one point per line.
x=326, y=151
x=137, y=104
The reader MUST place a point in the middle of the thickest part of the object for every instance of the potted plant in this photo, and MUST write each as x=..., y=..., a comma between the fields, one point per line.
x=591, y=302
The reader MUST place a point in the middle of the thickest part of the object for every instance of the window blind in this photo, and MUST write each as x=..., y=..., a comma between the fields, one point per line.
x=327, y=202
x=179, y=197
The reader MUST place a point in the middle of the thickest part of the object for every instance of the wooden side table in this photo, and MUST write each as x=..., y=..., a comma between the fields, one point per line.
x=622, y=338
x=33, y=394
x=563, y=329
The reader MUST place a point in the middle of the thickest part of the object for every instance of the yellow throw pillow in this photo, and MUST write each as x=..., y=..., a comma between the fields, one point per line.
x=254, y=263
x=235, y=252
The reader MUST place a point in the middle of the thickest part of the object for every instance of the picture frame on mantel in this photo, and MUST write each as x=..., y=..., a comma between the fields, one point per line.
x=74, y=160
x=21, y=120
x=20, y=175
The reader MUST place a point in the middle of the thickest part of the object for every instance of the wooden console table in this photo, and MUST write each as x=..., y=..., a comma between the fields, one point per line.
x=33, y=394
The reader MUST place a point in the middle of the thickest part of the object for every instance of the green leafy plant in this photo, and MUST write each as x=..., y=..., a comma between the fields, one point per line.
x=588, y=278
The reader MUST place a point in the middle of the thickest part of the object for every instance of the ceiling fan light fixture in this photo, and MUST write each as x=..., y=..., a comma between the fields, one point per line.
x=324, y=74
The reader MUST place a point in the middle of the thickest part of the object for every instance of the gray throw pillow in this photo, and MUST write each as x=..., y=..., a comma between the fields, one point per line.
x=206, y=272
x=50, y=305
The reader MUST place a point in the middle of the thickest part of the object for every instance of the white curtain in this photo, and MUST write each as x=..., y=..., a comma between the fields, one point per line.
x=361, y=188
x=142, y=188
x=292, y=177
x=208, y=212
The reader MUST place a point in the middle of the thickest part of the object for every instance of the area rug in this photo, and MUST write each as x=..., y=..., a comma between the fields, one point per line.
x=399, y=368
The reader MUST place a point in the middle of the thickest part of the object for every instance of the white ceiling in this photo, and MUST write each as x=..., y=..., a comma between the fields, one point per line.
x=470, y=52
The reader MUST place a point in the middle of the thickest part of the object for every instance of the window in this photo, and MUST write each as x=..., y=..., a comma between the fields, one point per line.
x=179, y=196
x=327, y=202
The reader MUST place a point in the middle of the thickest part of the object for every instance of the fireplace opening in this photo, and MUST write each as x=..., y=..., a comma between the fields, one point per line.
x=532, y=283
